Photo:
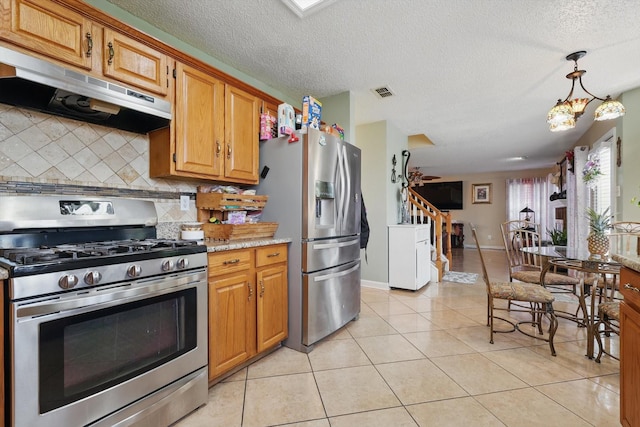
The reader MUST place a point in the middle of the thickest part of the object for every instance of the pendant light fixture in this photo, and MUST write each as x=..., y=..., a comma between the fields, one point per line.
x=564, y=114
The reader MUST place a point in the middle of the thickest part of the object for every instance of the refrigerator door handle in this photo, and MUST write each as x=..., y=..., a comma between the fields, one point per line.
x=343, y=183
x=335, y=275
x=335, y=245
x=340, y=178
x=347, y=193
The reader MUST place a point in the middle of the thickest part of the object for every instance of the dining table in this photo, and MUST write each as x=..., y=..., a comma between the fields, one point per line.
x=598, y=280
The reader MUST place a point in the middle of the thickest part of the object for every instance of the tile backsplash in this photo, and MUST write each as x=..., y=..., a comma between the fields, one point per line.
x=42, y=153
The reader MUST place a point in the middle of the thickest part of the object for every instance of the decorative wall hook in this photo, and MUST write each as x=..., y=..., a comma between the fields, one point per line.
x=393, y=170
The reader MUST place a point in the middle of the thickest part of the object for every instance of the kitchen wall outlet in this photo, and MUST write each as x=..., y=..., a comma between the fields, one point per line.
x=489, y=237
x=617, y=191
x=184, y=203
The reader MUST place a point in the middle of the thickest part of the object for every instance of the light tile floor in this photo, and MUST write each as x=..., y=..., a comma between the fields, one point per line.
x=424, y=359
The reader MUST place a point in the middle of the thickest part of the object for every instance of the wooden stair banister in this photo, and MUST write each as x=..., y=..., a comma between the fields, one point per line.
x=421, y=208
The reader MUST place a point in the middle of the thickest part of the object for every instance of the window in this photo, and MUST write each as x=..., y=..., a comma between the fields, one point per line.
x=531, y=193
x=601, y=193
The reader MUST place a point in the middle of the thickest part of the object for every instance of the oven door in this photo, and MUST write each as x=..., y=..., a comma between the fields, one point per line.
x=82, y=355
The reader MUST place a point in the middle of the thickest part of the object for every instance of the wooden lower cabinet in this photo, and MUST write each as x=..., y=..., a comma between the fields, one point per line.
x=271, y=314
x=248, y=310
x=630, y=349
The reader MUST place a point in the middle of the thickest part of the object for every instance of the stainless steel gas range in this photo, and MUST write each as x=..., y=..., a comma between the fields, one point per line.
x=104, y=324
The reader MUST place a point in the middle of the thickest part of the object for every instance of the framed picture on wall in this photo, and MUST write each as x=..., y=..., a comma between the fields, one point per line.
x=481, y=193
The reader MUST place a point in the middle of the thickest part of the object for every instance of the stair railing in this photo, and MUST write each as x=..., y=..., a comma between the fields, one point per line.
x=423, y=212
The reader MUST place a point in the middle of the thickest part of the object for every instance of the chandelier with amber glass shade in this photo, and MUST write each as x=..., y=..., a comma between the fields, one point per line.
x=564, y=114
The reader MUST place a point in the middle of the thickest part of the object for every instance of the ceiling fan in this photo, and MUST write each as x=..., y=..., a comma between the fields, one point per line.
x=418, y=178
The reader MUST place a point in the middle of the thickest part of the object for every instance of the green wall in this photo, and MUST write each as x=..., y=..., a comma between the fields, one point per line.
x=379, y=141
x=629, y=178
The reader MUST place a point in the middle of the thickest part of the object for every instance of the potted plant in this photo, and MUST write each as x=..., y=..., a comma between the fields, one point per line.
x=558, y=237
x=599, y=223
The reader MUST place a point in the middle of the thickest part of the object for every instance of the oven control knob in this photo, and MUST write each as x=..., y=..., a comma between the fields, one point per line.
x=92, y=277
x=167, y=265
x=68, y=281
x=134, y=270
x=183, y=263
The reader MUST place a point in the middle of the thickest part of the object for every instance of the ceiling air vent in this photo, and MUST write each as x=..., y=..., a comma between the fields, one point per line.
x=383, y=92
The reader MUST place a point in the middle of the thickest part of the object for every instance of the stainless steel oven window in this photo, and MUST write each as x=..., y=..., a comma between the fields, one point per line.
x=84, y=354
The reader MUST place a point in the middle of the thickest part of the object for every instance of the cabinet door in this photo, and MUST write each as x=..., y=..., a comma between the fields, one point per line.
x=132, y=62
x=272, y=308
x=199, y=122
x=231, y=322
x=629, y=365
x=242, y=125
x=48, y=28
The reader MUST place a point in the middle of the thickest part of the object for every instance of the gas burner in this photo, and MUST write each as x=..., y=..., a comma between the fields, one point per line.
x=65, y=253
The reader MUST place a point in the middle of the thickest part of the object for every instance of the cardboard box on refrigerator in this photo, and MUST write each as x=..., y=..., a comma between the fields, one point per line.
x=311, y=112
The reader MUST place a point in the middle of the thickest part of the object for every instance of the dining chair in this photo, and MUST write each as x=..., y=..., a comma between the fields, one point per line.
x=537, y=302
x=527, y=266
x=624, y=238
x=608, y=321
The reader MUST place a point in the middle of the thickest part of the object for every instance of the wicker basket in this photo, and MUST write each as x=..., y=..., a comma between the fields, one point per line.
x=233, y=232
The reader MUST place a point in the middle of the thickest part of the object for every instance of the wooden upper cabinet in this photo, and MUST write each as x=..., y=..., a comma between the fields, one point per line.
x=242, y=124
x=49, y=29
x=199, y=122
x=132, y=62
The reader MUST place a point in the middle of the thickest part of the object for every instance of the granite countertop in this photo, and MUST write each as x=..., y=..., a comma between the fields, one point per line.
x=632, y=262
x=243, y=244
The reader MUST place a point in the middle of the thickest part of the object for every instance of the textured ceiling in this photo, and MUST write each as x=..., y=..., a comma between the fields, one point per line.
x=475, y=76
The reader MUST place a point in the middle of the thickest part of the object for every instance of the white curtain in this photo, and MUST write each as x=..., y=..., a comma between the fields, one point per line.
x=530, y=193
x=577, y=200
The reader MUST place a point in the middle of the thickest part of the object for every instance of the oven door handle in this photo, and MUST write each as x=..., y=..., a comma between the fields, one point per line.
x=98, y=298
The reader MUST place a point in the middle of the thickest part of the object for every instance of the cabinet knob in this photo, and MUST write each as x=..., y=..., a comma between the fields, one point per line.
x=250, y=291
x=218, y=148
x=631, y=288
x=231, y=261
x=261, y=288
x=228, y=151
x=89, y=45
x=272, y=255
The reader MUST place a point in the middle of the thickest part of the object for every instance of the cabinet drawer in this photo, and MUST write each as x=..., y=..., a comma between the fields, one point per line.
x=269, y=255
x=229, y=262
x=632, y=278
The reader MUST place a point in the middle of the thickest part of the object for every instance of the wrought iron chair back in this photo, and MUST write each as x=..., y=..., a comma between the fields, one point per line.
x=625, y=238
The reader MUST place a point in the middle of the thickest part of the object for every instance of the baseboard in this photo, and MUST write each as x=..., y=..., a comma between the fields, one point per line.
x=500, y=248
x=374, y=285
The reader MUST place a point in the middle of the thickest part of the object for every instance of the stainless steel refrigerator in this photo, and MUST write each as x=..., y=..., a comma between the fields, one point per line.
x=314, y=194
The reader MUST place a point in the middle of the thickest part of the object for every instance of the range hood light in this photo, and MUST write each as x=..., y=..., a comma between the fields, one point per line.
x=105, y=107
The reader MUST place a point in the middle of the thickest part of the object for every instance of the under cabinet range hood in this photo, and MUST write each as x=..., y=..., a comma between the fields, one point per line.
x=33, y=83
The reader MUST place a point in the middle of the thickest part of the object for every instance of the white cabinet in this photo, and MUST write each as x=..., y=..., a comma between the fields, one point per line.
x=409, y=256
